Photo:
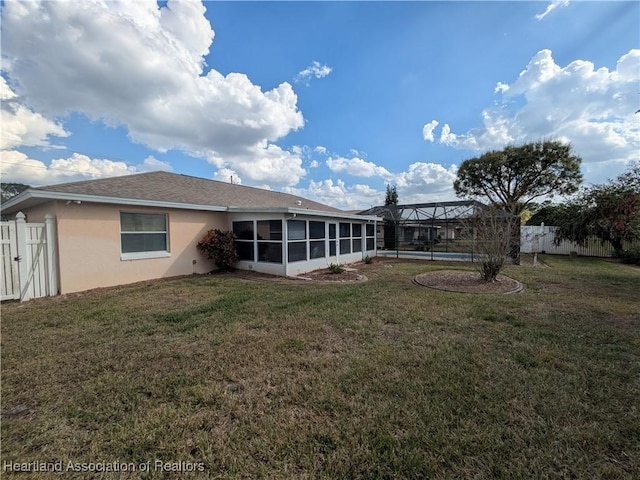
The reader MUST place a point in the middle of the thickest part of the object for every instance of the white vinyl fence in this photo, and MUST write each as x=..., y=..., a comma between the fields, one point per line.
x=541, y=240
x=28, y=259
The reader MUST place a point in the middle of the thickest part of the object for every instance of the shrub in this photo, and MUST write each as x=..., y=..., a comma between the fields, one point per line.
x=368, y=260
x=219, y=246
x=336, y=268
x=631, y=256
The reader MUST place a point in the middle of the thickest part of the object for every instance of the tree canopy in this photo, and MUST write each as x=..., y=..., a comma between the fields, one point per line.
x=609, y=211
x=391, y=195
x=8, y=190
x=513, y=177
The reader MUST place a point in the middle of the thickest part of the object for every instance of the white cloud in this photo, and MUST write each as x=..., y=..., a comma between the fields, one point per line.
x=21, y=126
x=314, y=70
x=339, y=195
x=358, y=167
x=592, y=108
x=141, y=66
x=552, y=6
x=422, y=182
x=227, y=175
x=320, y=149
x=264, y=162
x=426, y=182
x=427, y=130
x=19, y=168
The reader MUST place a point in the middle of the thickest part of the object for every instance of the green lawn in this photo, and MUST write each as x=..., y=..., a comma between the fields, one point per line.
x=381, y=379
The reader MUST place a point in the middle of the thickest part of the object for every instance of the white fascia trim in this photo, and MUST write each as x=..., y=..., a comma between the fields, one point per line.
x=304, y=211
x=117, y=200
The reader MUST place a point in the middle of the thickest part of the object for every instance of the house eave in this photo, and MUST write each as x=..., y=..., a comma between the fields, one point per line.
x=303, y=211
x=32, y=198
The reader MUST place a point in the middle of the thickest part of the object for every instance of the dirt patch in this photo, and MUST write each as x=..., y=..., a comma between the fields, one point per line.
x=325, y=275
x=465, y=281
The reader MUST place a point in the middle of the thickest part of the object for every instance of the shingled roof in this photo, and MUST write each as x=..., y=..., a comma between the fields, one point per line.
x=184, y=189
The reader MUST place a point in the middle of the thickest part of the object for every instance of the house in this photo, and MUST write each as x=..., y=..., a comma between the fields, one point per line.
x=139, y=227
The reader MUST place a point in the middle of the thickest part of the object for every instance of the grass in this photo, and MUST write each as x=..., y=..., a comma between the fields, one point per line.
x=380, y=379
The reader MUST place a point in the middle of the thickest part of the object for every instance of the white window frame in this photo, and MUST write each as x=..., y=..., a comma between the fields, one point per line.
x=145, y=255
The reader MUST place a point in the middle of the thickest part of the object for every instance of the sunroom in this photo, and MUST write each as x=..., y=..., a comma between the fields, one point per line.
x=292, y=241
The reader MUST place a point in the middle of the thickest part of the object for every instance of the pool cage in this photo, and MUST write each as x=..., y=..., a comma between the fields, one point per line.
x=438, y=227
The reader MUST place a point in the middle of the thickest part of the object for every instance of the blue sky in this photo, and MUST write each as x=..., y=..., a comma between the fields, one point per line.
x=328, y=100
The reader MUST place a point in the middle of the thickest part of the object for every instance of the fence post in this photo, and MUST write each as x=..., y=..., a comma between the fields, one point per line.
x=52, y=272
x=22, y=258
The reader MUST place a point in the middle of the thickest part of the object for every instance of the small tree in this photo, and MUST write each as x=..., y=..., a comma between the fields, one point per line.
x=390, y=222
x=391, y=196
x=219, y=246
x=493, y=232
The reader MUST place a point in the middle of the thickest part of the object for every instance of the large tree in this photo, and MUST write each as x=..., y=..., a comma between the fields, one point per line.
x=513, y=177
x=609, y=211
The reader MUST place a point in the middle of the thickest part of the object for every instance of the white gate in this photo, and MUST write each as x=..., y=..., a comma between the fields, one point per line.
x=28, y=259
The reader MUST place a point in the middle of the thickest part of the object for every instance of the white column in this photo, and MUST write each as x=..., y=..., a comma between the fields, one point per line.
x=52, y=264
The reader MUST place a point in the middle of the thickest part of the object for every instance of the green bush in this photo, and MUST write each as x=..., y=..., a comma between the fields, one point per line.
x=219, y=246
x=631, y=256
x=336, y=268
x=368, y=260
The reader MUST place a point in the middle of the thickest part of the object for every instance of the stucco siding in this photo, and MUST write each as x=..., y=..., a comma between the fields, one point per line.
x=89, y=251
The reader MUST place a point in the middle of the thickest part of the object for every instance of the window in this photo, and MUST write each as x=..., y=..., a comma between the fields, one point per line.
x=316, y=249
x=345, y=230
x=297, y=230
x=243, y=230
x=270, y=251
x=269, y=229
x=143, y=235
x=244, y=239
x=345, y=245
x=332, y=239
x=370, y=231
x=356, y=232
x=316, y=230
x=297, y=251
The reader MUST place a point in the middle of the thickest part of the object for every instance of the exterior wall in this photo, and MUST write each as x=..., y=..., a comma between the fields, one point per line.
x=89, y=244
x=89, y=248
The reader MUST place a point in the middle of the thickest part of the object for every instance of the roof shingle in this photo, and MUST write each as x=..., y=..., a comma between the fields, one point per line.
x=177, y=188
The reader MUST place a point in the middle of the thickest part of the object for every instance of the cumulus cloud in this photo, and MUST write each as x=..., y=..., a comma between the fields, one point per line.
x=17, y=167
x=338, y=194
x=314, y=70
x=422, y=182
x=551, y=7
x=358, y=167
x=592, y=108
x=21, y=126
x=227, y=175
x=143, y=66
x=426, y=182
x=264, y=162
